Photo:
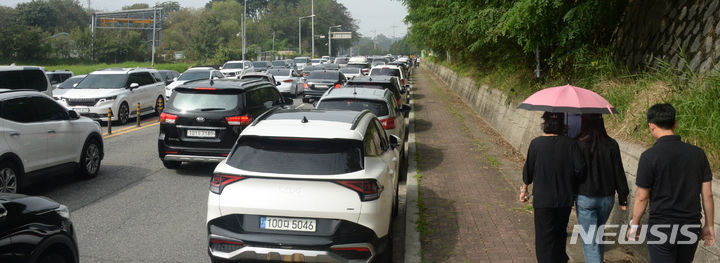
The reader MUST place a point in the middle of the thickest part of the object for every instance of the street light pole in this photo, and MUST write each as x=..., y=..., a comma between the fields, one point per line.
x=243, y=29
x=300, y=33
x=330, y=40
x=312, y=13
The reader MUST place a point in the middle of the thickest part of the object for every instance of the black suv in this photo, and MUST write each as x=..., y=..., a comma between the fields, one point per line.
x=204, y=118
x=320, y=81
x=36, y=230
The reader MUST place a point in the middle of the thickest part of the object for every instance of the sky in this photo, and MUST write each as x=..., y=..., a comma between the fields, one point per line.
x=371, y=15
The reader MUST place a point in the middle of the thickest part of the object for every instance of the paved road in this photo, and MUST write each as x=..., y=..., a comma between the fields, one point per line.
x=135, y=210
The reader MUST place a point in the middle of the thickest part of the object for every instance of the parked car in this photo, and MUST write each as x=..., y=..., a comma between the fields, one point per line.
x=168, y=76
x=235, y=68
x=261, y=65
x=330, y=199
x=25, y=77
x=119, y=89
x=204, y=118
x=39, y=137
x=291, y=82
x=66, y=85
x=381, y=82
x=58, y=76
x=382, y=103
x=35, y=229
x=351, y=73
x=320, y=81
x=302, y=62
x=195, y=73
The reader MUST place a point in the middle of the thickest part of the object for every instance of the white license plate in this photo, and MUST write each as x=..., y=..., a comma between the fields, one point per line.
x=321, y=86
x=201, y=133
x=288, y=224
x=79, y=110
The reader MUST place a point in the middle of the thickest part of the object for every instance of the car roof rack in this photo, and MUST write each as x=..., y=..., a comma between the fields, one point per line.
x=357, y=119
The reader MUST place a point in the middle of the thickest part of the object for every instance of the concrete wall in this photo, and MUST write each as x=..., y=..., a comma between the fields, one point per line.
x=519, y=127
x=660, y=29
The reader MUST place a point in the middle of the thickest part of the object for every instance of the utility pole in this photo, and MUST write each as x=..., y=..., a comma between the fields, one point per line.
x=300, y=33
x=312, y=13
x=330, y=40
x=152, y=60
x=243, y=29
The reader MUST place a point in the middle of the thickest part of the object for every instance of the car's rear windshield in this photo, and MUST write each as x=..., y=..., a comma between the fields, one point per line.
x=341, y=60
x=23, y=79
x=187, y=100
x=379, y=108
x=316, y=60
x=279, y=63
x=261, y=64
x=194, y=75
x=301, y=60
x=279, y=72
x=385, y=72
x=357, y=66
x=374, y=86
x=350, y=70
x=297, y=155
x=103, y=81
x=323, y=75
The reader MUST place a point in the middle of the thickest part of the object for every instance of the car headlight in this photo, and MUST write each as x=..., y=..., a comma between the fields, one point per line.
x=63, y=211
x=108, y=98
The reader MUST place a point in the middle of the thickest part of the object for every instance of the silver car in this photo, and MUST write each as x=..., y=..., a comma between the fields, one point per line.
x=290, y=81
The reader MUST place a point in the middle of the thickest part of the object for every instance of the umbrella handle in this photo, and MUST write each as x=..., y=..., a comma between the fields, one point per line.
x=610, y=110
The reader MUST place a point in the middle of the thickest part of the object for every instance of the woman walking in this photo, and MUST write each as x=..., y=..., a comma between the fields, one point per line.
x=554, y=164
x=604, y=176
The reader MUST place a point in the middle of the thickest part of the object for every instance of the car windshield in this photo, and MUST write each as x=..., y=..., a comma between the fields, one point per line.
x=103, y=81
x=385, y=72
x=194, y=75
x=331, y=75
x=68, y=84
x=260, y=64
x=350, y=70
x=279, y=72
x=341, y=61
x=296, y=155
x=197, y=101
x=357, y=66
x=255, y=77
x=23, y=79
x=379, y=108
x=279, y=63
x=232, y=65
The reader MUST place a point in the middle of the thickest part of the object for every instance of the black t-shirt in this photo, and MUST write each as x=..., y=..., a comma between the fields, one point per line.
x=554, y=165
x=674, y=172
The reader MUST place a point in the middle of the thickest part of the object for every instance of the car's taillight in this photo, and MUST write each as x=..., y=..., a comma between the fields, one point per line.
x=367, y=189
x=337, y=86
x=287, y=80
x=226, y=246
x=219, y=181
x=238, y=120
x=306, y=86
x=403, y=80
x=388, y=123
x=168, y=118
x=352, y=252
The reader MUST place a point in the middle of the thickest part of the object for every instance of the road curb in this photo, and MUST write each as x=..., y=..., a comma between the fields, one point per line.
x=412, y=236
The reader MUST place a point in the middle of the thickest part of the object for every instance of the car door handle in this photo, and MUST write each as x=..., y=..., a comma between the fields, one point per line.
x=51, y=131
x=14, y=134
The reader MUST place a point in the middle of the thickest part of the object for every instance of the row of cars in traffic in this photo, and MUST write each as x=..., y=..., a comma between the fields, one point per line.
x=351, y=148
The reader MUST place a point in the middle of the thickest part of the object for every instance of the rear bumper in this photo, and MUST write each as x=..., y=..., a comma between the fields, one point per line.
x=185, y=154
x=193, y=158
x=313, y=94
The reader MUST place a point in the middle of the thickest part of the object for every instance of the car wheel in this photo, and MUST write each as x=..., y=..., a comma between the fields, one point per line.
x=305, y=100
x=387, y=255
x=123, y=113
x=396, y=203
x=171, y=164
x=90, y=159
x=9, y=178
x=159, y=105
x=52, y=257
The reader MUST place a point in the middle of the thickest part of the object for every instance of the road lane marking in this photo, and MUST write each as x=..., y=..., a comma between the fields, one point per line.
x=300, y=106
x=132, y=126
x=130, y=130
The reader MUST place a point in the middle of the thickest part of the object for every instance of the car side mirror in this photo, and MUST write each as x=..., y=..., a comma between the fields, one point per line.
x=134, y=85
x=73, y=115
x=394, y=141
x=405, y=108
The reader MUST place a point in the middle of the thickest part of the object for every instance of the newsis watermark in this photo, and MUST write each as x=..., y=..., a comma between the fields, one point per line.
x=609, y=234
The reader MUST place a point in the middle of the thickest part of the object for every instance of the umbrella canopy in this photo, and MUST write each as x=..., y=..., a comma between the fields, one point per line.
x=568, y=99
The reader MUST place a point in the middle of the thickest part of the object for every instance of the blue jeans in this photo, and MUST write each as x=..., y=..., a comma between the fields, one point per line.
x=595, y=211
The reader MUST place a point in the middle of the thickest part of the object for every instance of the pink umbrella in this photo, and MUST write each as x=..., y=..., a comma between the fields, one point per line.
x=568, y=99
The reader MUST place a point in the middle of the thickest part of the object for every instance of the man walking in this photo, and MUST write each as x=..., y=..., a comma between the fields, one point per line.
x=672, y=175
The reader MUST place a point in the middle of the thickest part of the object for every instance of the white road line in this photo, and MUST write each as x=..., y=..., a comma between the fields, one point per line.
x=412, y=236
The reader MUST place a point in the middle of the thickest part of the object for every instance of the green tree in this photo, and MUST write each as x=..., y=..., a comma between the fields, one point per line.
x=136, y=6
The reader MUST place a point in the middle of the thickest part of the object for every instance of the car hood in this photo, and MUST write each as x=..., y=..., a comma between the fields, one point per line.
x=60, y=92
x=18, y=203
x=92, y=93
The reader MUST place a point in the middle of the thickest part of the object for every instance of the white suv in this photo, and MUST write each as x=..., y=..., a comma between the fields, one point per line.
x=316, y=186
x=38, y=137
x=120, y=90
x=25, y=77
x=236, y=68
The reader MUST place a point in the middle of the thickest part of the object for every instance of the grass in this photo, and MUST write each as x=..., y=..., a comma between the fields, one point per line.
x=79, y=69
x=493, y=161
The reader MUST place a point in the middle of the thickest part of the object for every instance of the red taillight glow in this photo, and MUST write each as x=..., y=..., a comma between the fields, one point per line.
x=220, y=241
x=226, y=246
x=205, y=89
x=388, y=123
x=170, y=152
x=287, y=80
x=367, y=189
x=306, y=86
x=403, y=80
x=238, y=120
x=219, y=181
x=337, y=86
x=168, y=118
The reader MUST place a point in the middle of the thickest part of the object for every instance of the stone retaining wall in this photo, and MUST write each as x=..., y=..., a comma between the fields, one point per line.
x=519, y=127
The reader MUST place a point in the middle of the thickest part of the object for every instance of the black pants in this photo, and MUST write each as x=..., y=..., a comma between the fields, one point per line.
x=671, y=252
x=551, y=234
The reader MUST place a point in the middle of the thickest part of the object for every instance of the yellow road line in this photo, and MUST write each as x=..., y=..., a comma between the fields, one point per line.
x=130, y=130
x=131, y=127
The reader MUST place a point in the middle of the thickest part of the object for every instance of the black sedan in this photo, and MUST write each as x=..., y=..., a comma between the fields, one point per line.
x=36, y=230
x=320, y=81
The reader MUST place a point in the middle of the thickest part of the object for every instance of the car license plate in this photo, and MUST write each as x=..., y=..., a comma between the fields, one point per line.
x=201, y=133
x=321, y=86
x=79, y=110
x=288, y=224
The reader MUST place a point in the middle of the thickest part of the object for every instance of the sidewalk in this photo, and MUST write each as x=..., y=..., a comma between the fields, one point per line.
x=469, y=208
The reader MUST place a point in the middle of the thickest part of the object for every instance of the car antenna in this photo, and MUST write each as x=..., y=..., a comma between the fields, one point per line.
x=304, y=120
x=354, y=90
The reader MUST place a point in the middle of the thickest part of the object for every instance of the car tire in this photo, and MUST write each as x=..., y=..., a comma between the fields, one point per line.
x=123, y=113
x=90, y=159
x=159, y=105
x=387, y=255
x=305, y=100
x=9, y=177
x=396, y=203
x=171, y=164
x=52, y=257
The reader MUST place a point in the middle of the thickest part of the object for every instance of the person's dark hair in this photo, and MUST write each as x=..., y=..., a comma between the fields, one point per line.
x=662, y=115
x=593, y=130
x=554, y=123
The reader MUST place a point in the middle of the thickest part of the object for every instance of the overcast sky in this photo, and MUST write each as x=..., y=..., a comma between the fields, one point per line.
x=372, y=15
